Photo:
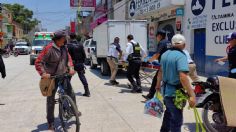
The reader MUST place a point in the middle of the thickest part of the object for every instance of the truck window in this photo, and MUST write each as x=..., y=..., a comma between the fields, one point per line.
x=93, y=44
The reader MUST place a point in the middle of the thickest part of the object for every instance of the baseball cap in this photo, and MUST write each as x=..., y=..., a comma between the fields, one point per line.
x=231, y=36
x=161, y=32
x=178, y=39
x=59, y=35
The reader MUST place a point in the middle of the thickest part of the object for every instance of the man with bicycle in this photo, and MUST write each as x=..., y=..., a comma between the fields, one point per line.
x=55, y=60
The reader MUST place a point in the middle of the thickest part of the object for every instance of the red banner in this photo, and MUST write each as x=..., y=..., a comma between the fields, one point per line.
x=72, y=27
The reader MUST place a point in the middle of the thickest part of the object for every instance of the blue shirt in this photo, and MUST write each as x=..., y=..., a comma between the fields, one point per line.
x=172, y=63
x=162, y=47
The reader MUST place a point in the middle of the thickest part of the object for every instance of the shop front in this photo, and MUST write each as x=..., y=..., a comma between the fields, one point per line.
x=207, y=24
x=161, y=14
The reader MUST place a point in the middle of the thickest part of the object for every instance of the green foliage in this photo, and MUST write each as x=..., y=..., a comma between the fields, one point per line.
x=22, y=16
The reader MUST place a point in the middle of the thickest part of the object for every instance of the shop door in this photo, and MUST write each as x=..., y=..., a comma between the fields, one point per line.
x=200, y=49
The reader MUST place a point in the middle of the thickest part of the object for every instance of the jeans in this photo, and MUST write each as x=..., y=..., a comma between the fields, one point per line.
x=51, y=99
x=133, y=71
x=173, y=117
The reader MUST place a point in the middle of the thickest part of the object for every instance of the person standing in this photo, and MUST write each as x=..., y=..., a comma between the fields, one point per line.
x=174, y=73
x=55, y=60
x=2, y=65
x=114, y=54
x=163, y=45
x=192, y=67
x=77, y=53
x=135, y=53
x=231, y=55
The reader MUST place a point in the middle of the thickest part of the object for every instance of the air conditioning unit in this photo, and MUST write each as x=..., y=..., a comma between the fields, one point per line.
x=178, y=2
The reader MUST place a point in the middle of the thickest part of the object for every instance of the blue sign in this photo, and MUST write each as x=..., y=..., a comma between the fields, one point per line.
x=198, y=6
x=179, y=12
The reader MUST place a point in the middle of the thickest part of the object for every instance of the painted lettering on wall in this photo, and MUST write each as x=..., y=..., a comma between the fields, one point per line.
x=225, y=3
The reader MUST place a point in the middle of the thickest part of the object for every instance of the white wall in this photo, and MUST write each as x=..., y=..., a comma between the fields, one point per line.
x=214, y=34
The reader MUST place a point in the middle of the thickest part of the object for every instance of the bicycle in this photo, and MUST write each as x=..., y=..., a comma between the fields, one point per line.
x=8, y=53
x=67, y=107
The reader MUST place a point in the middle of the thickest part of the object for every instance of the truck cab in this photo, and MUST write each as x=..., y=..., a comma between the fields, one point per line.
x=41, y=39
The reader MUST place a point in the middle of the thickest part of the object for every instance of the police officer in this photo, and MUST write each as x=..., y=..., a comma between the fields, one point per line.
x=114, y=54
x=162, y=47
x=231, y=55
x=135, y=53
x=78, y=56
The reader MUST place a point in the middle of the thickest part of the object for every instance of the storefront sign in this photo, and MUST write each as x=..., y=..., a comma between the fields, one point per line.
x=179, y=12
x=141, y=7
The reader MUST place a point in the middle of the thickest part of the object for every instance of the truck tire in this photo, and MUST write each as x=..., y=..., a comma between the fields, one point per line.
x=105, y=69
x=92, y=66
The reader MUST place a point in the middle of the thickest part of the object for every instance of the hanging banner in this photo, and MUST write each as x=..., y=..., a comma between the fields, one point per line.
x=88, y=5
x=72, y=27
x=74, y=3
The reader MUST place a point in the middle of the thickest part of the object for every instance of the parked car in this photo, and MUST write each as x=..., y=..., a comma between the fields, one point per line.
x=89, y=47
x=23, y=48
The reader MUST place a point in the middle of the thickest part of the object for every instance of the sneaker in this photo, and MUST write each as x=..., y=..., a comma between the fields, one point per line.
x=86, y=94
x=51, y=127
x=139, y=90
x=146, y=97
x=116, y=83
x=113, y=82
x=133, y=91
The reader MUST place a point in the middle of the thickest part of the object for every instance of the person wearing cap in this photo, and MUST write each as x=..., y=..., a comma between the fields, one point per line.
x=231, y=53
x=162, y=47
x=114, y=53
x=134, y=52
x=77, y=53
x=174, y=75
x=55, y=60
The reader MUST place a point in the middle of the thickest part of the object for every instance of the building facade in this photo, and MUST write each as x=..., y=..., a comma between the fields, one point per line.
x=207, y=24
x=160, y=14
x=18, y=32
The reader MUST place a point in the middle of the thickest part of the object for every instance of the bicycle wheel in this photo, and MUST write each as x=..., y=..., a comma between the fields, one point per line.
x=6, y=55
x=69, y=114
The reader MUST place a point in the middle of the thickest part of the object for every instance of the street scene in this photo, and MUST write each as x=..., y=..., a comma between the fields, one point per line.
x=117, y=65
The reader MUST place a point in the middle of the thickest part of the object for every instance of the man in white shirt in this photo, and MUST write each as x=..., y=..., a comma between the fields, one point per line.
x=134, y=52
x=114, y=53
x=192, y=67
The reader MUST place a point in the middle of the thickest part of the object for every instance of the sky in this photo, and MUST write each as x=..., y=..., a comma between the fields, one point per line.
x=54, y=14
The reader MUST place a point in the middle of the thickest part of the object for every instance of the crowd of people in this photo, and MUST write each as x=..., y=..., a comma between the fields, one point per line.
x=177, y=67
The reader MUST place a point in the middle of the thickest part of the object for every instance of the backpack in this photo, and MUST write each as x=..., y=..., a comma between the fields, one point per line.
x=136, y=52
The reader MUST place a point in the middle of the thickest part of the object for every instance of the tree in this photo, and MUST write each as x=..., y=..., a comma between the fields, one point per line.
x=22, y=16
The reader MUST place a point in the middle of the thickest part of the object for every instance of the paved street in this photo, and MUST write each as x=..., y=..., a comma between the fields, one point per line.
x=109, y=109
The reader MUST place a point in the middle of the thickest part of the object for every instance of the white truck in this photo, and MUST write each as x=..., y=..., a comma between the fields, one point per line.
x=104, y=35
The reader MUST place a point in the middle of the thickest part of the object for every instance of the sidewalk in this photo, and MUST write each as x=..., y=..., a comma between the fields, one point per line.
x=115, y=109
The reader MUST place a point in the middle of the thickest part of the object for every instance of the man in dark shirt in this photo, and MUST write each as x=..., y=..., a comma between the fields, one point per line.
x=78, y=56
x=163, y=45
x=231, y=55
